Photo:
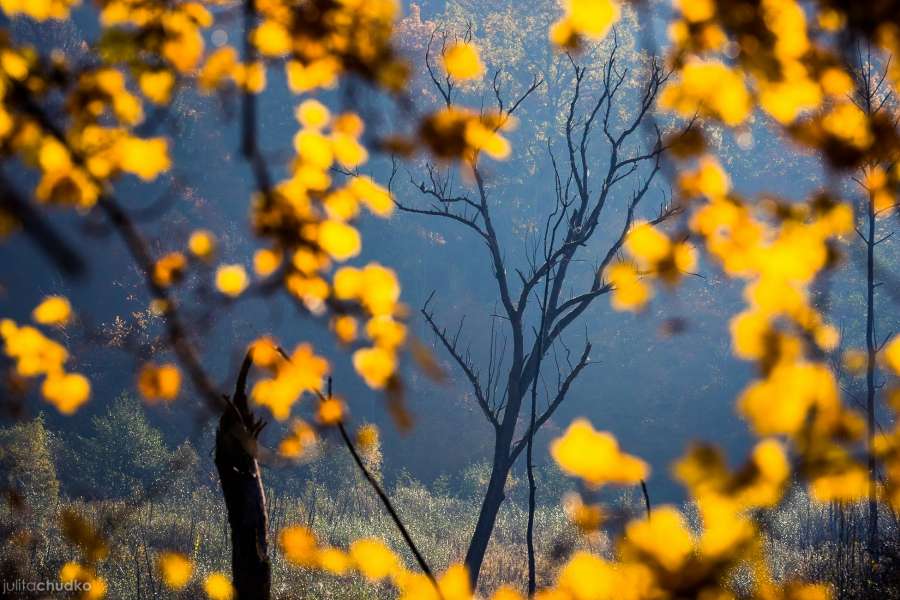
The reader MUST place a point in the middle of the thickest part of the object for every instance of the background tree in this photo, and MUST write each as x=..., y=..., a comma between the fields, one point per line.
x=876, y=99
x=618, y=170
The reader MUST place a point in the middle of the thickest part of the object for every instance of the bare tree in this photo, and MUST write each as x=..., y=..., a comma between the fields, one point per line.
x=592, y=187
x=873, y=97
x=242, y=488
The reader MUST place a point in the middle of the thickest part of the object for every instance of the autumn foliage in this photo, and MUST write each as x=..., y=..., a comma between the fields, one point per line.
x=730, y=61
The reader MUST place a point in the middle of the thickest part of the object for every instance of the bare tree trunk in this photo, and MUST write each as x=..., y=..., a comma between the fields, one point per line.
x=487, y=516
x=872, y=350
x=245, y=499
x=532, y=489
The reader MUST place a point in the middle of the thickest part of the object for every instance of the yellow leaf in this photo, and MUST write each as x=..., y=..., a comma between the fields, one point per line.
x=169, y=269
x=157, y=85
x=202, y=244
x=314, y=148
x=376, y=198
x=373, y=558
x=312, y=114
x=144, y=158
x=264, y=352
x=53, y=310
x=646, y=243
x=461, y=61
x=591, y=18
x=711, y=88
x=850, y=485
x=272, y=38
x=176, y=569
x=349, y=152
x=506, y=593
x=594, y=456
x=892, y=355
x=265, y=261
x=375, y=365
x=299, y=545
x=588, y=577
x=380, y=291
x=66, y=391
x=217, y=68
x=696, y=10
x=454, y=583
x=334, y=561
x=218, y=587
x=663, y=536
x=231, y=280
x=159, y=382
x=339, y=240
x=344, y=328
x=629, y=292
x=331, y=411
x=349, y=123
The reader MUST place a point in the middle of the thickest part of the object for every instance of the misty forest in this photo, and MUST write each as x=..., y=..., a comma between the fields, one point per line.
x=450, y=300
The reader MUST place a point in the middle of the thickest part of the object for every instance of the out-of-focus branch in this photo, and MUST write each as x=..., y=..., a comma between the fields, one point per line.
x=36, y=227
x=140, y=253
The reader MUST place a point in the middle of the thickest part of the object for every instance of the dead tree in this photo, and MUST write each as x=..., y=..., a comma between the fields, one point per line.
x=588, y=188
x=245, y=500
x=872, y=96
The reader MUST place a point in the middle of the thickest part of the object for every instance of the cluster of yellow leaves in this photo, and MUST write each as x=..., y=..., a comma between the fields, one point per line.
x=308, y=217
x=709, y=88
x=289, y=380
x=177, y=570
x=159, y=382
x=887, y=444
x=653, y=255
x=584, y=18
x=377, y=290
x=40, y=10
x=376, y=562
x=791, y=76
x=81, y=576
x=779, y=249
x=223, y=65
x=301, y=440
x=774, y=62
x=75, y=165
x=36, y=355
x=352, y=36
x=454, y=133
x=309, y=220
x=105, y=152
x=658, y=557
x=171, y=33
x=93, y=587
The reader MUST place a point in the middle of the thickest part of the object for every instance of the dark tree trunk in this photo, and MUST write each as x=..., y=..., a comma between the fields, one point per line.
x=245, y=499
x=871, y=352
x=487, y=518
